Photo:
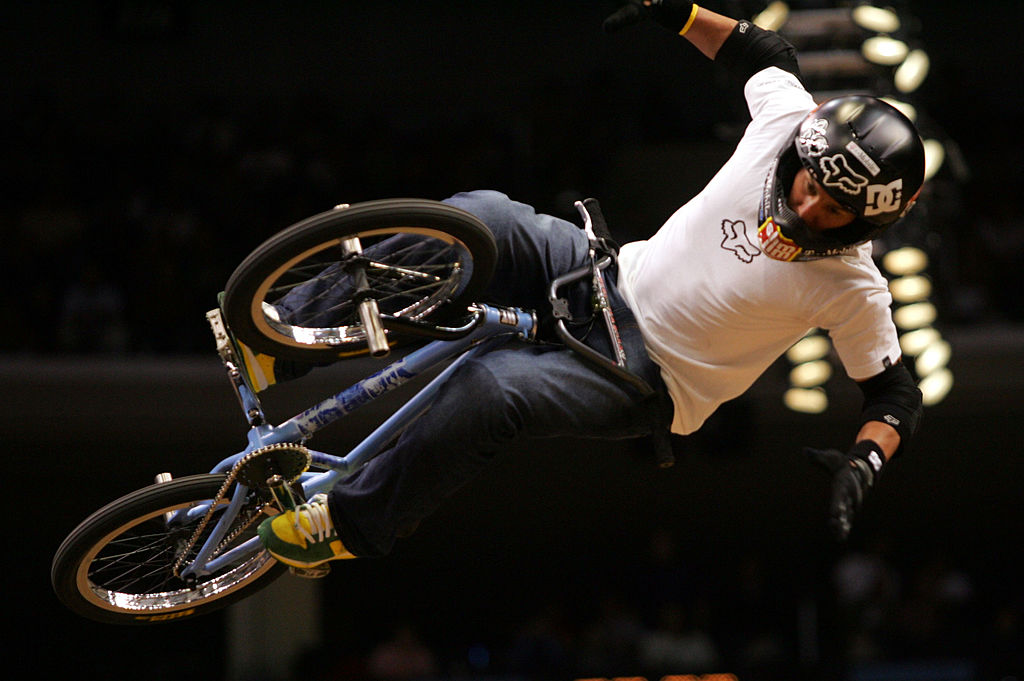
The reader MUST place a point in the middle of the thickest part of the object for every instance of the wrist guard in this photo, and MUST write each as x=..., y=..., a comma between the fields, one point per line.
x=750, y=49
x=892, y=397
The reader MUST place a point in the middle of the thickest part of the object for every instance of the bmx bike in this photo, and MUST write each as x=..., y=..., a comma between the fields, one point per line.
x=353, y=281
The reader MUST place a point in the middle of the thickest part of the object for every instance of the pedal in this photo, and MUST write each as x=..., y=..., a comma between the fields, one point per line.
x=318, y=572
x=220, y=335
x=286, y=460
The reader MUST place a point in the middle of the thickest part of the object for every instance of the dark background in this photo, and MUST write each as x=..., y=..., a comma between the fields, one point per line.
x=148, y=146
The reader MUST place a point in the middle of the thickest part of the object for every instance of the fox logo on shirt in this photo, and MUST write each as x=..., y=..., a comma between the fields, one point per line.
x=737, y=241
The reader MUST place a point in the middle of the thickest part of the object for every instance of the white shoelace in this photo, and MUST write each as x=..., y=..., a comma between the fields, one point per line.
x=319, y=521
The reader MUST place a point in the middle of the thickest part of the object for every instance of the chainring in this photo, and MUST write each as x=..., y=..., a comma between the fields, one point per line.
x=285, y=459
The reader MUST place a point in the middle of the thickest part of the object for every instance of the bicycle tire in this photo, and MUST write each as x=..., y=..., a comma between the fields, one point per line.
x=290, y=298
x=117, y=565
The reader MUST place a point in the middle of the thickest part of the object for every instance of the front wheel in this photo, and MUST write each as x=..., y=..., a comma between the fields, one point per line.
x=297, y=296
x=118, y=565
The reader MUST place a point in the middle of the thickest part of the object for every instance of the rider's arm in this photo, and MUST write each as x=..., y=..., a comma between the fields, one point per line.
x=708, y=30
x=740, y=46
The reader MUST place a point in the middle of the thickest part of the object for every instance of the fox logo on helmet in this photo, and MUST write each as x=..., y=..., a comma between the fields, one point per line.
x=840, y=175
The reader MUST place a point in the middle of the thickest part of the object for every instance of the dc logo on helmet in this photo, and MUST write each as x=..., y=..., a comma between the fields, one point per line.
x=884, y=198
x=839, y=174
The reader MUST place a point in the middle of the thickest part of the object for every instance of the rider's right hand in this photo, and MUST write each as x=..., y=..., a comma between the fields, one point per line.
x=631, y=13
x=672, y=14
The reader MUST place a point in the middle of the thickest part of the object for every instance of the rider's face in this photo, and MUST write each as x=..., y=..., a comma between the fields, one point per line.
x=816, y=208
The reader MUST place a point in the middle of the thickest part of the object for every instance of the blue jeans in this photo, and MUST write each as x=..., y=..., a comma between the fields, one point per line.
x=520, y=391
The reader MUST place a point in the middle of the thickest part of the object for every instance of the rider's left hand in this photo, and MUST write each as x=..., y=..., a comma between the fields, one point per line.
x=853, y=474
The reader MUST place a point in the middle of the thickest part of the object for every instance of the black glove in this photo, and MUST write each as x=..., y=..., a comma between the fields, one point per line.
x=672, y=14
x=853, y=474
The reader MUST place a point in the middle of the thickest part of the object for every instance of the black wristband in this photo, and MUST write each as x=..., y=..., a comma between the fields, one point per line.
x=869, y=452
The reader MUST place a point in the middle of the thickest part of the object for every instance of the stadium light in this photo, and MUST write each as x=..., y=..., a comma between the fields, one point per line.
x=885, y=51
x=914, y=315
x=912, y=72
x=934, y=357
x=773, y=16
x=806, y=400
x=877, y=19
x=936, y=386
x=811, y=347
x=912, y=288
x=913, y=343
x=810, y=370
x=934, y=157
x=810, y=374
x=904, y=261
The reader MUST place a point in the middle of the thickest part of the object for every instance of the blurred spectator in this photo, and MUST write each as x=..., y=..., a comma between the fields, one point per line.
x=608, y=645
x=867, y=590
x=401, y=657
x=679, y=644
x=663, y=576
x=1003, y=652
x=759, y=616
x=542, y=648
x=933, y=617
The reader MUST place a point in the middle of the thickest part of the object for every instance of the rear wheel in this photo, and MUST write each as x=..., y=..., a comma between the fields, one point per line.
x=117, y=566
x=297, y=295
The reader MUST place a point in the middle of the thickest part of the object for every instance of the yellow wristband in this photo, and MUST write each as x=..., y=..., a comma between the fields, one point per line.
x=689, y=22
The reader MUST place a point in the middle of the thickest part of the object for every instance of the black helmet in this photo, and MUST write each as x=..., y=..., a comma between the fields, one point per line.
x=865, y=154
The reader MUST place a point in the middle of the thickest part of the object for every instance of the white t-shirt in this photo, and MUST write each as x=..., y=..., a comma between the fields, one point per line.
x=715, y=311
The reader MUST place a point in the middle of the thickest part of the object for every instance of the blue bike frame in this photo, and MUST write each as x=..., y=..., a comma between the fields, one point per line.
x=491, y=327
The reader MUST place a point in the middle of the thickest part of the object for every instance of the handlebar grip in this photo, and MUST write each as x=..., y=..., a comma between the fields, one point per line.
x=597, y=221
x=626, y=16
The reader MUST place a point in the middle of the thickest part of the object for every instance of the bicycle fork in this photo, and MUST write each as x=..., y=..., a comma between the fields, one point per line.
x=369, y=312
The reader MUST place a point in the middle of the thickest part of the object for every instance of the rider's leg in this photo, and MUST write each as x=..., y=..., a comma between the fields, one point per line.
x=533, y=248
x=504, y=397
x=522, y=391
x=519, y=392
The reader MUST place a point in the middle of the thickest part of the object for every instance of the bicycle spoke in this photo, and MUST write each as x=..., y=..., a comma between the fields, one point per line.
x=404, y=280
x=140, y=564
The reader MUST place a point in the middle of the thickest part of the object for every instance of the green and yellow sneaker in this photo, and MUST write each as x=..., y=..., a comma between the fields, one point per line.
x=304, y=537
x=257, y=367
x=257, y=370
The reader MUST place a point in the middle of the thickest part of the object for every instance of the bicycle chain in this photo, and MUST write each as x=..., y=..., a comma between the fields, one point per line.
x=220, y=496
